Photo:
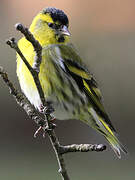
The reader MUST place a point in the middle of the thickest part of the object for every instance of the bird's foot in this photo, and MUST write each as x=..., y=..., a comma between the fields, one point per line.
x=48, y=109
x=46, y=128
x=41, y=108
x=49, y=127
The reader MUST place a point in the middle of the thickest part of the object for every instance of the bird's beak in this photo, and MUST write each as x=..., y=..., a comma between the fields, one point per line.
x=65, y=31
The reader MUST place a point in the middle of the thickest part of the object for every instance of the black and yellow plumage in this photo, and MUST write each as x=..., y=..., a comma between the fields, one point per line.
x=64, y=78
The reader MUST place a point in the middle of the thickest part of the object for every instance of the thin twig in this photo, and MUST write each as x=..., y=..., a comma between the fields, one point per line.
x=13, y=44
x=56, y=146
x=35, y=43
x=82, y=148
x=21, y=99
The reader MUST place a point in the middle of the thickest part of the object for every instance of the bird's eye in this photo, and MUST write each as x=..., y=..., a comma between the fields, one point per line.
x=50, y=25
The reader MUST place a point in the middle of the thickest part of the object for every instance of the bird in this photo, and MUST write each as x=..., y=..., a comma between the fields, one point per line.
x=64, y=76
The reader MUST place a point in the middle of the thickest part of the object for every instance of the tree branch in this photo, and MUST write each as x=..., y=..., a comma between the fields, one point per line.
x=13, y=44
x=46, y=123
x=48, y=128
x=82, y=148
x=21, y=99
x=34, y=42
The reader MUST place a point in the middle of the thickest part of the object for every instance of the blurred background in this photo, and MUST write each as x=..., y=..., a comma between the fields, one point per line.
x=104, y=33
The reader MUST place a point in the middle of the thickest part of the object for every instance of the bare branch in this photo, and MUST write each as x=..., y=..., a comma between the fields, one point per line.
x=21, y=99
x=82, y=148
x=56, y=146
x=13, y=44
x=35, y=43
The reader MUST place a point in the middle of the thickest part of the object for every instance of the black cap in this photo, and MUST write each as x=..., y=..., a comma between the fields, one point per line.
x=56, y=15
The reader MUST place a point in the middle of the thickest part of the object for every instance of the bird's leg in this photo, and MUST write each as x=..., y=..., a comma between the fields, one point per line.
x=41, y=108
x=45, y=128
x=47, y=110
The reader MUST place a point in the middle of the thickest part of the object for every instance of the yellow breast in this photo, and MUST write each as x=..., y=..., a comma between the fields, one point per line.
x=25, y=78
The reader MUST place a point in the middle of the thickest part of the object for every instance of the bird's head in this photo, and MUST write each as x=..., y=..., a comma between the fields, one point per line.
x=50, y=26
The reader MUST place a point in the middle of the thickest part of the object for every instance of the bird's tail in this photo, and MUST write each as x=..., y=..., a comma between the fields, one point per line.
x=102, y=127
x=116, y=145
